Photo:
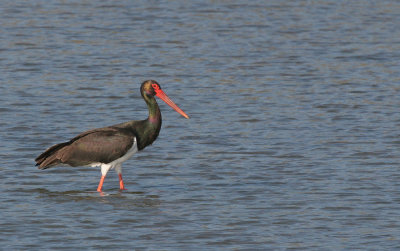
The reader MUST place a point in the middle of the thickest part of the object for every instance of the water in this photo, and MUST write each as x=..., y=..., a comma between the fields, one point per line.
x=293, y=141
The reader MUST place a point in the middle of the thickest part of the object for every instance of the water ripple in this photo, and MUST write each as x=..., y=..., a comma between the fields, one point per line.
x=292, y=141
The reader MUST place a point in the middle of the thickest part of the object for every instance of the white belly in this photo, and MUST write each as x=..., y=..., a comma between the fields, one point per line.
x=105, y=167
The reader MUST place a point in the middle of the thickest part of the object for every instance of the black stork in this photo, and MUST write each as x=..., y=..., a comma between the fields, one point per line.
x=108, y=147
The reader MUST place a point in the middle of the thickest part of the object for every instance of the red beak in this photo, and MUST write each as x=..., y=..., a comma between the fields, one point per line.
x=161, y=94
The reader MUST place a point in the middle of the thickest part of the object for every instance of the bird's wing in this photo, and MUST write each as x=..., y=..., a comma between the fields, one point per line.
x=97, y=146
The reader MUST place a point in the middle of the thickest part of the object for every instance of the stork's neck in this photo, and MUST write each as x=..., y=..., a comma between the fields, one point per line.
x=154, y=111
x=149, y=131
x=145, y=131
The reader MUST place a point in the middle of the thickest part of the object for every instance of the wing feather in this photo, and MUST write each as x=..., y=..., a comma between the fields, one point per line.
x=102, y=145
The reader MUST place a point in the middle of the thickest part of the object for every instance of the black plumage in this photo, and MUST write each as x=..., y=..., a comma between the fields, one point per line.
x=109, y=146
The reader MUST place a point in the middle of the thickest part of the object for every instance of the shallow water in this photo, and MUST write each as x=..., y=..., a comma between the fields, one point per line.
x=293, y=140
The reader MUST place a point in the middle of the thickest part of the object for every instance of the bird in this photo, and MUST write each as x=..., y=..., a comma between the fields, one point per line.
x=108, y=147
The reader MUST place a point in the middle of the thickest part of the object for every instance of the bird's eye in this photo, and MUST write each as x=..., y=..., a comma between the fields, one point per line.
x=155, y=87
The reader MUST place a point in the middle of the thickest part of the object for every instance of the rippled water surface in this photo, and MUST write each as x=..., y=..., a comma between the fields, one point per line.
x=293, y=141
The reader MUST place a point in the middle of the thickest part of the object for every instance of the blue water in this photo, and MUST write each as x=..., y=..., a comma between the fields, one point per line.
x=293, y=141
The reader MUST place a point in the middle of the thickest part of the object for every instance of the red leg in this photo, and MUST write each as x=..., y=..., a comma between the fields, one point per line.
x=101, y=183
x=121, y=182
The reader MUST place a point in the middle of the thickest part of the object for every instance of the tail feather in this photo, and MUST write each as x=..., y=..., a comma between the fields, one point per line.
x=49, y=162
x=49, y=157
